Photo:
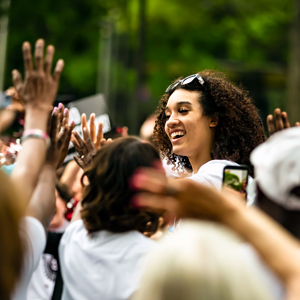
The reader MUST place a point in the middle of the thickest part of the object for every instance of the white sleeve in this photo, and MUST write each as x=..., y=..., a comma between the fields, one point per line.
x=33, y=236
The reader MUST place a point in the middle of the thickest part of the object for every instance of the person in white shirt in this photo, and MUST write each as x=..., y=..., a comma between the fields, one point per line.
x=37, y=93
x=43, y=279
x=204, y=118
x=102, y=251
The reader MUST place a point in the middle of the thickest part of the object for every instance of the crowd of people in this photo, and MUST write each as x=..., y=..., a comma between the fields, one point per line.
x=148, y=217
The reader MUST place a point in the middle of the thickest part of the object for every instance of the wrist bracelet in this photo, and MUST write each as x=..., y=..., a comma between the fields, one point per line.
x=36, y=133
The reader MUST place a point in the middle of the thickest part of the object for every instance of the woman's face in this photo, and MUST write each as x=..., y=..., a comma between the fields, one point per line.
x=188, y=130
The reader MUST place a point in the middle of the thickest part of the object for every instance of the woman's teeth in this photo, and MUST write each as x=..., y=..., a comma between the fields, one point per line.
x=177, y=134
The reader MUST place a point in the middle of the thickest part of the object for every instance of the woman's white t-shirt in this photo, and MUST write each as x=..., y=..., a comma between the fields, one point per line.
x=211, y=173
x=103, y=265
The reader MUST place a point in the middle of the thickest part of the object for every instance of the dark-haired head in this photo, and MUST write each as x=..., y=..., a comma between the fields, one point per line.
x=107, y=199
x=239, y=128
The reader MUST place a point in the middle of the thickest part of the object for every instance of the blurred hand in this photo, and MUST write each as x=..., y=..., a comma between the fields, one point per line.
x=96, y=136
x=60, y=139
x=16, y=104
x=64, y=131
x=39, y=87
x=91, y=143
x=183, y=198
x=278, y=122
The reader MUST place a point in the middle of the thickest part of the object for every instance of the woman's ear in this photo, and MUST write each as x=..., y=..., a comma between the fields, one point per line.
x=214, y=120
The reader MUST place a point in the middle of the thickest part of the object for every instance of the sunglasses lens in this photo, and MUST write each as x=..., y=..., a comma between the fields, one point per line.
x=188, y=79
x=185, y=81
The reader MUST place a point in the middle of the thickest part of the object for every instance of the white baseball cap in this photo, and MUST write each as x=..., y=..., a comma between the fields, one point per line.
x=277, y=167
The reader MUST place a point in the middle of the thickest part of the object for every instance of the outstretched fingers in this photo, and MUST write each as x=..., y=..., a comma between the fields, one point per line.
x=65, y=130
x=83, y=122
x=99, y=137
x=28, y=65
x=49, y=60
x=58, y=70
x=285, y=120
x=39, y=55
x=64, y=139
x=270, y=124
x=39, y=87
x=78, y=143
x=88, y=141
x=278, y=119
x=53, y=127
x=61, y=109
x=92, y=127
x=278, y=122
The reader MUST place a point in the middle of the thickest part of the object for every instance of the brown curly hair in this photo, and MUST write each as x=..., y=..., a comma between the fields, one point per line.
x=106, y=203
x=239, y=128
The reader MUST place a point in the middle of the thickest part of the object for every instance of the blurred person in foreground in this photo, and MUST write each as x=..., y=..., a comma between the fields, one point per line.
x=37, y=99
x=33, y=178
x=277, y=170
x=201, y=261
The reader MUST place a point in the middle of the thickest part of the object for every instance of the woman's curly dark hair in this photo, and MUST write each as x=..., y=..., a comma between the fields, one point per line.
x=106, y=203
x=239, y=128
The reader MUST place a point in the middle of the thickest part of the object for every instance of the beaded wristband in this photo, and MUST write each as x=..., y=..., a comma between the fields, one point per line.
x=36, y=133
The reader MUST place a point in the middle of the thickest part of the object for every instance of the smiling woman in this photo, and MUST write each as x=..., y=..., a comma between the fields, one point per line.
x=204, y=123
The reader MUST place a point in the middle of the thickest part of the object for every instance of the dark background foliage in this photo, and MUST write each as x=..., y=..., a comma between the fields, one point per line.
x=130, y=50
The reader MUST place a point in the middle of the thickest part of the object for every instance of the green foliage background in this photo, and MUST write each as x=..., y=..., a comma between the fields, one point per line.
x=246, y=39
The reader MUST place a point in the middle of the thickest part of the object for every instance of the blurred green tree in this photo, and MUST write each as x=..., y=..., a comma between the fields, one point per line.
x=132, y=49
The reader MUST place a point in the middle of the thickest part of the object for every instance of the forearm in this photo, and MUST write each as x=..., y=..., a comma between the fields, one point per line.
x=37, y=117
x=42, y=202
x=275, y=245
x=32, y=156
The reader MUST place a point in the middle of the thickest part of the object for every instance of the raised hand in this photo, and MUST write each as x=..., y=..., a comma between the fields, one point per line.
x=60, y=138
x=65, y=131
x=39, y=87
x=37, y=92
x=278, y=122
x=96, y=137
x=91, y=142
